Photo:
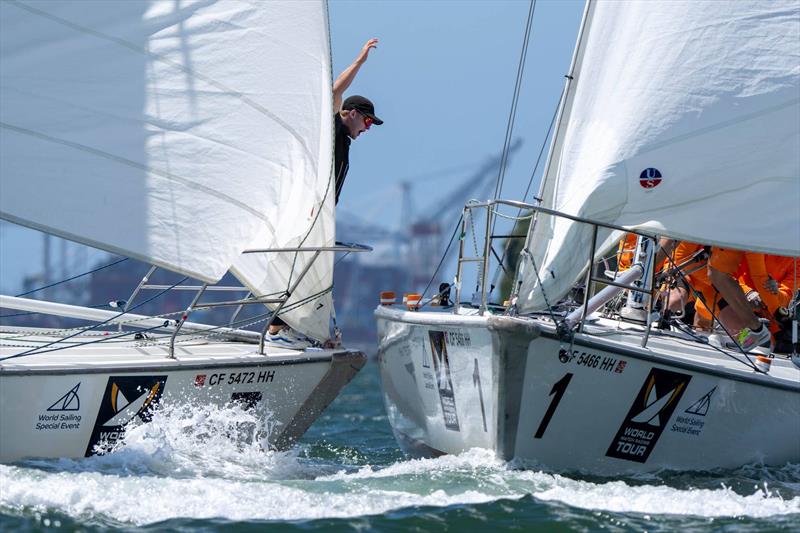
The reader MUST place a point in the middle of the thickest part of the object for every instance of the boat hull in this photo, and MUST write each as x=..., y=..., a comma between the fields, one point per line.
x=601, y=405
x=76, y=412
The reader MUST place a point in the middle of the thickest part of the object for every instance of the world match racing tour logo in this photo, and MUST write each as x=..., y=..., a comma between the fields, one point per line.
x=649, y=415
x=125, y=398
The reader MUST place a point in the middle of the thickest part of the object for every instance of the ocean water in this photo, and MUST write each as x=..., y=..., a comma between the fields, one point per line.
x=194, y=469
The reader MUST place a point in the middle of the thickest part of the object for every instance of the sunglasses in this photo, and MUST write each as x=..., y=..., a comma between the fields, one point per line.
x=367, y=120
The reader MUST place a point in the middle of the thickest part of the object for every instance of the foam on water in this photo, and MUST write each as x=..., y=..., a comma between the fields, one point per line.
x=212, y=463
x=497, y=479
x=618, y=496
x=193, y=441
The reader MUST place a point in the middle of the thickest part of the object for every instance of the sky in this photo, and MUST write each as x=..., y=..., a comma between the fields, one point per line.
x=442, y=79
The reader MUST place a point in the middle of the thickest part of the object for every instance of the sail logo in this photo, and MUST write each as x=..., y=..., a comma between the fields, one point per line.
x=125, y=398
x=692, y=421
x=650, y=178
x=654, y=405
x=700, y=407
x=648, y=415
x=68, y=402
x=426, y=359
x=441, y=368
x=62, y=415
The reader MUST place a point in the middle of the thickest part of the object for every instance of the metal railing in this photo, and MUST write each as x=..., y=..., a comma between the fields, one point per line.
x=484, y=258
x=279, y=299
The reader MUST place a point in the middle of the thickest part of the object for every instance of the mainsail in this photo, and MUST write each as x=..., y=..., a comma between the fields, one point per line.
x=683, y=120
x=177, y=133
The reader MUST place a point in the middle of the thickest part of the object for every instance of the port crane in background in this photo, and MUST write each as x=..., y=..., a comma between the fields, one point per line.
x=427, y=234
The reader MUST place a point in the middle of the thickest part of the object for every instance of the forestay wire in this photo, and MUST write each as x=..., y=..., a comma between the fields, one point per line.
x=507, y=246
x=509, y=130
x=514, y=101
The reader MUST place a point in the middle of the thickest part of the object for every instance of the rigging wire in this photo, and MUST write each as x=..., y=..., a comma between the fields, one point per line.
x=507, y=246
x=444, y=256
x=509, y=132
x=72, y=278
x=541, y=150
x=508, y=135
x=214, y=331
x=564, y=95
x=308, y=233
x=95, y=326
x=39, y=349
x=514, y=101
x=698, y=295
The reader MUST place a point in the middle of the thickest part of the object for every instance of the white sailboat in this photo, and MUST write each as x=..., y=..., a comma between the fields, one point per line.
x=197, y=137
x=679, y=119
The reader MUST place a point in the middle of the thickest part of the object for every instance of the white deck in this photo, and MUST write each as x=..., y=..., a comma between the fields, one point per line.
x=678, y=346
x=672, y=345
x=100, y=350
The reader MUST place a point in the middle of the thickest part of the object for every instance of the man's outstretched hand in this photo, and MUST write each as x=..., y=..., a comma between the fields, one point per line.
x=362, y=56
x=344, y=80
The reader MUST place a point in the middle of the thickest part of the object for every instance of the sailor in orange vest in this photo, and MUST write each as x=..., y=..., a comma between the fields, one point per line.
x=723, y=271
x=768, y=282
x=625, y=251
x=680, y=255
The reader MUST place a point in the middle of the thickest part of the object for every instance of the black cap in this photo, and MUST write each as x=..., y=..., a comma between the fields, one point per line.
x=363, y=106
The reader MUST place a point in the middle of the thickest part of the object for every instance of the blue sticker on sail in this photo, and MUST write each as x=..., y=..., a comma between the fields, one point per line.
x=649, y=178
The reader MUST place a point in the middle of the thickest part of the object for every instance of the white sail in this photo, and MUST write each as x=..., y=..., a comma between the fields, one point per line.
x=304, y=204
x=309, y=223
x=178, y=133
x=700, y=98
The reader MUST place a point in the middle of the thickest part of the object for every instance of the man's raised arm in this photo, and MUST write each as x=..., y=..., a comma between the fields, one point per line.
x=346, y=78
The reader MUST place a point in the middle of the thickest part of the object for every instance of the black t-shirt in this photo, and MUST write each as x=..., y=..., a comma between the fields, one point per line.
x=341, y=152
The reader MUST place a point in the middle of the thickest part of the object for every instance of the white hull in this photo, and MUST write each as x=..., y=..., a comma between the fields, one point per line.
x=606, y=407
x=66, y=403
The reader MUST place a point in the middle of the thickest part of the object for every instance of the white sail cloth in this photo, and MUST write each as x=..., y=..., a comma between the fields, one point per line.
x=705, y=95
x=177, y=133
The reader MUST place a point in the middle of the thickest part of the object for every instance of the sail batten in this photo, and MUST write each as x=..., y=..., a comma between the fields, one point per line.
x=684, y=121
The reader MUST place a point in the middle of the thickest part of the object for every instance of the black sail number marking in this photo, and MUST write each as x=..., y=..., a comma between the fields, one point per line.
x=476, y=380
x=556, y=392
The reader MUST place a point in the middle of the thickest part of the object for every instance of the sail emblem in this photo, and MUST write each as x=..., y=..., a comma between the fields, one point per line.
x=655, y=405
x=125, y=398
x=649, y=178
x=125, y=410
x=700, y=407
x=648, y=415
x=68, y=402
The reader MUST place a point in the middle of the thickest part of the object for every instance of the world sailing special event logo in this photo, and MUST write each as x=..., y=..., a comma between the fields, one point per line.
x=441, y=367
x=649, y=415
x=63, y=414
x=650, y=178
x=125, y=398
